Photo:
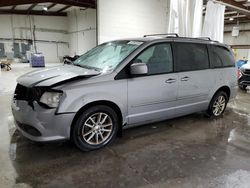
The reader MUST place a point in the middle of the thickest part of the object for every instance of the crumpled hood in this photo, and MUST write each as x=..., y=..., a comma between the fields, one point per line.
x=54, y=75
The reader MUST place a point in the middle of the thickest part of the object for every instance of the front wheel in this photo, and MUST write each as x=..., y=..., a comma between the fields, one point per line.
x=218, y=104
x=243, y=87
x=95, y=128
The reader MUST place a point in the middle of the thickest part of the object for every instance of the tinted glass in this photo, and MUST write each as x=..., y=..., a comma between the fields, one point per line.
x=191, y=56
x=158, y=58
x=216, y=60
x=222, y=57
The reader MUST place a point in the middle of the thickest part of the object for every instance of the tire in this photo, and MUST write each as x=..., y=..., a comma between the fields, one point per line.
x=95, y=128
x=219, y=102
x=243, y=87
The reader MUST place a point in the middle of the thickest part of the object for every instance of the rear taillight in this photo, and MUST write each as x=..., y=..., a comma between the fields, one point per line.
x=239, y=73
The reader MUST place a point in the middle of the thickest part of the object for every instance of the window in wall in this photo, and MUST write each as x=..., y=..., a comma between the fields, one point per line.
x=191, y=56
x=158, y=58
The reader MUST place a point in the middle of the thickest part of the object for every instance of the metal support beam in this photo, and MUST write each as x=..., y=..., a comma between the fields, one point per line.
x=52, y=5
x=240, y=46
x=240, y=19
x=235, y=23
x=19, y=2
x=241, y=30
x=64, y=8
x=79, y=3
x=33, y=12
x=13, y=7
x=233, y=5
x=46, y=41
x=32, y=6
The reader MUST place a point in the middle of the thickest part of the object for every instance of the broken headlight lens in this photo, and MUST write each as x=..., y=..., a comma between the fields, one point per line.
x=51, y=99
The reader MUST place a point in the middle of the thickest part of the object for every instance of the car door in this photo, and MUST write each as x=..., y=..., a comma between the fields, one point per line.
x=195, y=79
x=153, y=97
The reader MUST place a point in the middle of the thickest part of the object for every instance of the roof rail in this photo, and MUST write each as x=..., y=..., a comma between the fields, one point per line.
x=167, y=35
x=204, y=38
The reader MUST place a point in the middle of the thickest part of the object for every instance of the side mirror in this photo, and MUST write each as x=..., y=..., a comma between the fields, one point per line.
x=138, y=69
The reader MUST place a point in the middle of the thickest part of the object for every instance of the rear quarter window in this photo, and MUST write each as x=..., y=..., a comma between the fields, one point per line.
x=221, y=57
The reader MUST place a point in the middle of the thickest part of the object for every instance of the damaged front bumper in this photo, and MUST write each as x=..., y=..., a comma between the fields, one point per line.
x=41, y=124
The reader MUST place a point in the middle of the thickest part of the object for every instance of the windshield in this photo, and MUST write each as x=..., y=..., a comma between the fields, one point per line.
x=107, y=56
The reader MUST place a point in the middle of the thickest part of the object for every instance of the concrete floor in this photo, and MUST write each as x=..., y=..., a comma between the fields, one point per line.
x=192, y=151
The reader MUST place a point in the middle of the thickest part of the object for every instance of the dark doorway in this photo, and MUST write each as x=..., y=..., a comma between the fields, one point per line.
x=2, y=50
x=16, y=49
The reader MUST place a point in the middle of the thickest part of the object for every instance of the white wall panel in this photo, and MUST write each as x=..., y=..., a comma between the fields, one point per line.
x=18, y=26
x=5, y=21
x=130, y=18
x=242, y=39
x=82, y=30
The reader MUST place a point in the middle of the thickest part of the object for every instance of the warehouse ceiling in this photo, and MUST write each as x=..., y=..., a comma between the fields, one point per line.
x=237, y=11
x=43, y=7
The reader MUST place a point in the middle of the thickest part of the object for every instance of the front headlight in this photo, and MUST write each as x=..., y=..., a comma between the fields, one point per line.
x=51, y=99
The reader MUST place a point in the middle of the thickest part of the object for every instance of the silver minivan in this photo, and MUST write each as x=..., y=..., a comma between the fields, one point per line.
x=124, y=83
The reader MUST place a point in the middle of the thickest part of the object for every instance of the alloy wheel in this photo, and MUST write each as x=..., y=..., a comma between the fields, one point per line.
x=97, y=128
x=219, y=105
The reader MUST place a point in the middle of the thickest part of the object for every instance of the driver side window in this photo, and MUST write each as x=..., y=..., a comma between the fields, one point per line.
x=158, y=58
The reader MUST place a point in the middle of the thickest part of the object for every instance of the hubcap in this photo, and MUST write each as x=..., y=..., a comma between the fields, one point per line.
x=219, y=105
x=97, y=128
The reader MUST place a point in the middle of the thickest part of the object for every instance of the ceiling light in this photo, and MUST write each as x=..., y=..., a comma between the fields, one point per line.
x=203, y=8
x=231, y=19
x=45, y=8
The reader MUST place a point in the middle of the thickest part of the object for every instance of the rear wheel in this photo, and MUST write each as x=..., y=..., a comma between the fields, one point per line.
x=95, y=128
x=218, y=104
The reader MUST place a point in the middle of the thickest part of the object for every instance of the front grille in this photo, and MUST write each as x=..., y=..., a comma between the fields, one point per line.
x=246, y=71
x=21, y=92
x=244, y=79
x=28, y=94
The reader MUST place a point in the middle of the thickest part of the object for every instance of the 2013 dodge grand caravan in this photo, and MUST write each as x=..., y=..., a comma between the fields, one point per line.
x=124, y=83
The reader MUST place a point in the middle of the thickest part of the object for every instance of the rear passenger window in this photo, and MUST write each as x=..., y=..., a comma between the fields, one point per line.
x=191, y=56
x=222, y=57
x=158, y=58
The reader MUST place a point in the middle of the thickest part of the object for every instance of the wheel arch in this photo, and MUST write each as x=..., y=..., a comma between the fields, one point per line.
x=110, y=104
x=226, y=89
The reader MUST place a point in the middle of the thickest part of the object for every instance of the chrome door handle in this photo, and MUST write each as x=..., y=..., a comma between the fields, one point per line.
x=186, y=78
x=170, y=80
